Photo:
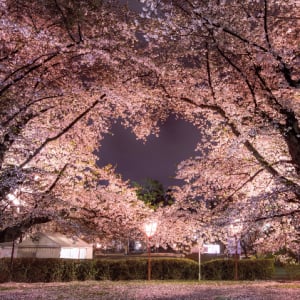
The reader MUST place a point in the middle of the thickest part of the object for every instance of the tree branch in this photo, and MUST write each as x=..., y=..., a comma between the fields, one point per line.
x=30, y=68
x=290, y=213
x=25, y=107
x=252, y=177
x=13, y=232
x=260, y=159
x=282, y=65
x=239, y=70
x=61, y=133
x=65, y=21
x=208, y=70
x=266, y=23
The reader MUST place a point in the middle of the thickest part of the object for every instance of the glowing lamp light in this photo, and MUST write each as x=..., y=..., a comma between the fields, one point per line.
x=150, y=228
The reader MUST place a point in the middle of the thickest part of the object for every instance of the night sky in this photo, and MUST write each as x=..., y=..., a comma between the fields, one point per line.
x=157, y=158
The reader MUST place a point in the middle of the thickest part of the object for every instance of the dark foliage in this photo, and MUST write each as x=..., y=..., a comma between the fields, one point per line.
x=62, y=270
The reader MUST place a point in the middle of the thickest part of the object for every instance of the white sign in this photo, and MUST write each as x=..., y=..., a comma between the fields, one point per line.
x=234, y=246
x=211, y=249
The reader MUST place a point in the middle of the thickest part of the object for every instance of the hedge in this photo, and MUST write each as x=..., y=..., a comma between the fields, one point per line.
x=61, y=270
x=247, y=269
x=292, y=272
x=50, y=270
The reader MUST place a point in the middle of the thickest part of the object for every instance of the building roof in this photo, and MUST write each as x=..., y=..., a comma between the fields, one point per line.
x=6, y=244
x=52, y=239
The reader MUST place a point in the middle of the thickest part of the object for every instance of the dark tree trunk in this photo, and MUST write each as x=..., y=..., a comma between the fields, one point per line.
x=292, y=138
x=12, y=233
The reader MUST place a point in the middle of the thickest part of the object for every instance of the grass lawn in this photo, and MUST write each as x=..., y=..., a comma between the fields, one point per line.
x=127, y=290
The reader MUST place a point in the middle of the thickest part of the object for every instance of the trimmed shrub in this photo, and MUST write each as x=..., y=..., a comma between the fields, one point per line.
x=49, y=270
x=102, y=269
x=137, y=269
x=119, y=270
x=247, y=269
x=293, y=271
x=217, y=270
x=85, y=270
x=68, y=270
x=256, y=269
x=174, y=268
x=4, y=270
x=21, y=270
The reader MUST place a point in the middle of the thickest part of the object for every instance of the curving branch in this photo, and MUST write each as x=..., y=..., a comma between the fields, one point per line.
x=252, y=177
x=16, y=230
x=266, y=23
x=283, y=67
x=25, y=107
x=249, y=146
x=239, y=71
x=61, y=133
x=9, y=54
x=11, y=134
x=208, y=70
x=292, y=213
x=65, y=21
x=15, y=77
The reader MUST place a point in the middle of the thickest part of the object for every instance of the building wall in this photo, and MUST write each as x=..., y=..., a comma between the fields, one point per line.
x=50, y=252
x=26, y=252
x=89, y=253
x=36, y=252
x=51, y=246
x=76, y=252
x=6, y=251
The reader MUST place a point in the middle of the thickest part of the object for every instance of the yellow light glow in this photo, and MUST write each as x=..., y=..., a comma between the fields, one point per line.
x=150, y=228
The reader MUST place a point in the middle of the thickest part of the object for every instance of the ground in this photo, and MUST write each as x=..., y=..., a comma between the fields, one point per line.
x=168, y=290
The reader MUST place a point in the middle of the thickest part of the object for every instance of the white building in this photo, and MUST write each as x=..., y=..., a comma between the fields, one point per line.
x=54, y=245
x=6, y=249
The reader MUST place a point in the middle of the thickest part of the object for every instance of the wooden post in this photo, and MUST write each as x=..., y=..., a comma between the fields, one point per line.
x=149, y=259
x=12, y=259
x=236, y=259
x=199, y=262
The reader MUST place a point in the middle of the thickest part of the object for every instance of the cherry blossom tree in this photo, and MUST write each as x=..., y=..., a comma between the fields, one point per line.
x=60, y=64
x=236, y=65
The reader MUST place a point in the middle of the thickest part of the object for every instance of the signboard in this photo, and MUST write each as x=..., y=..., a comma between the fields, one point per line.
x=234, y=246
x=211, y=249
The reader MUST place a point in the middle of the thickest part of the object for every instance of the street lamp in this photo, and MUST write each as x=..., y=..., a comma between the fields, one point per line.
x=199, y=261
x=199, y=242
x=149, y=228
x=234, y=230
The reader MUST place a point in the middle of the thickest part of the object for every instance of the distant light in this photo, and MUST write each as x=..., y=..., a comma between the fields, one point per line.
x=14, y=199
x=11, y=197
x=138, y=245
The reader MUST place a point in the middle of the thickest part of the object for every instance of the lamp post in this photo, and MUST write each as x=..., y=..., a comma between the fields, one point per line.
x=234, y=230
x=199, y=262
x=149, y=229
x=199, y=242
x=236, y=277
